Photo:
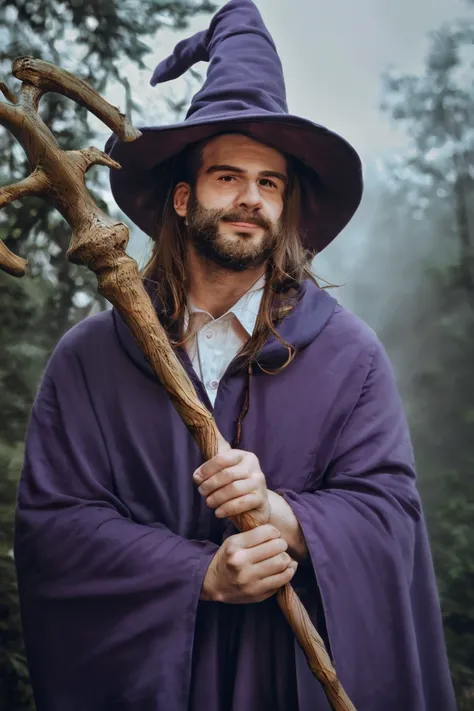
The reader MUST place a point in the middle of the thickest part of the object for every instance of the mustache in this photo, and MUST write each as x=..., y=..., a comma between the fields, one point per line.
x=242, y=216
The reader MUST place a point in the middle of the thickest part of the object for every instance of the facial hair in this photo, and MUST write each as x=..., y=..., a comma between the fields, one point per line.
x=234, y=254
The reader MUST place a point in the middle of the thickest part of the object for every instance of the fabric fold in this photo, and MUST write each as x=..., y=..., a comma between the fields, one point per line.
x=80, y=557
x=365, y=536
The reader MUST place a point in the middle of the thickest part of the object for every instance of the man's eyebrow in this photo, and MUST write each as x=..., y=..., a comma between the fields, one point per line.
x=274, y=174
x=223, y=168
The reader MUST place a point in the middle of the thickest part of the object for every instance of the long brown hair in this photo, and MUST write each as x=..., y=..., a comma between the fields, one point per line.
x=166, y=270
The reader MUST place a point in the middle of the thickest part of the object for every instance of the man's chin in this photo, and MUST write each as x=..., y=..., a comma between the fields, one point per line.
x=235, y=232
x=234, y=261
x=232, y=249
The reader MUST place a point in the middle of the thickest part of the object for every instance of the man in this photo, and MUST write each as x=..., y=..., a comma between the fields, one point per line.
x=136, y=590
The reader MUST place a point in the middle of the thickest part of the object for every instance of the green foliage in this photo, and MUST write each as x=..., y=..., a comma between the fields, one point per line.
x=15, y=691
x=98, y=40
x=16, y=694
x=21, y=357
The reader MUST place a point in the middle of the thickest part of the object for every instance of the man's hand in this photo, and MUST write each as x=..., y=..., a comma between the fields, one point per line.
x=233, y=483
x=249, y=567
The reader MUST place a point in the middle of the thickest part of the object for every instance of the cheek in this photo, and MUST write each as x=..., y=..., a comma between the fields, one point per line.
x=214, y=199
x=274, y=208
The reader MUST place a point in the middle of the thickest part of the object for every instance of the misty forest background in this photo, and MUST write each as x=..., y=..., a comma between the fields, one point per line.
x=413, y=282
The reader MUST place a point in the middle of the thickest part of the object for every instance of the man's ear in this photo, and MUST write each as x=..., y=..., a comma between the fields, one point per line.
x=181, y=198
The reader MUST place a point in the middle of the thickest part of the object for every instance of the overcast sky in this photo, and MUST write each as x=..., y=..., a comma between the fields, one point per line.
x=333, y=54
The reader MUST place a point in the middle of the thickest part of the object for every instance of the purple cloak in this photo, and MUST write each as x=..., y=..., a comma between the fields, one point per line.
x=113, y=540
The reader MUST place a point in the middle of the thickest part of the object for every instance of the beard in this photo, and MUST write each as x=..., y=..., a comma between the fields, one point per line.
x=236, y=253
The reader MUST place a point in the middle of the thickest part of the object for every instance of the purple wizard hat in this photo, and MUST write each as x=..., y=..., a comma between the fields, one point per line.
x=244, y=92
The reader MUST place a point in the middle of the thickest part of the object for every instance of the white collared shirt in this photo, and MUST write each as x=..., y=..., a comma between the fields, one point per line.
x=217, y=341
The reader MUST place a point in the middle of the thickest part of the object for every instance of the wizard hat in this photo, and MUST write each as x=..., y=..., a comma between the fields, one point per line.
x=244, y=92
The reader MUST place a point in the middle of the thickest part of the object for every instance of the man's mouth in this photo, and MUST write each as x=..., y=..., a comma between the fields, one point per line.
x=245, y=225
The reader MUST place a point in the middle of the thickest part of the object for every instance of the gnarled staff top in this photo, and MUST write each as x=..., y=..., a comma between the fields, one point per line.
x=52, y=167
x=99, y=242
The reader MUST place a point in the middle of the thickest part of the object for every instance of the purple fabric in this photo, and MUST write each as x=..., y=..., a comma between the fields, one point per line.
x=113, y=540
x=245, y=72
x=244, y=91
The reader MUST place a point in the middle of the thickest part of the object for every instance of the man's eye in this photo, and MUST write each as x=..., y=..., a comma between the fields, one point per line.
x=268, y=183
x=227, y=178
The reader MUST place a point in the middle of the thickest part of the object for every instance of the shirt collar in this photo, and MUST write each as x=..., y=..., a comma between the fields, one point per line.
x=245, y=310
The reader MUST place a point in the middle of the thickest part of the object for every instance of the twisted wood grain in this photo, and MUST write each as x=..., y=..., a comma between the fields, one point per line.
x=99, y=242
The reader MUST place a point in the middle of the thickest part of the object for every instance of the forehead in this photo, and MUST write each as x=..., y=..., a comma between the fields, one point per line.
x=242, y=152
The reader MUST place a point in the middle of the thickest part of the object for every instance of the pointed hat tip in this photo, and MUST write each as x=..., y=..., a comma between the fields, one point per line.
x=192, y=50
x=188, y=52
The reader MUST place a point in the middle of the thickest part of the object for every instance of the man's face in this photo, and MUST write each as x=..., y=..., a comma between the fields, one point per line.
x=233, y=215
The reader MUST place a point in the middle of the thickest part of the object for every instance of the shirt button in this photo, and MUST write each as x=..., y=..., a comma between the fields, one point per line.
x=214, y=384
x=209, y=334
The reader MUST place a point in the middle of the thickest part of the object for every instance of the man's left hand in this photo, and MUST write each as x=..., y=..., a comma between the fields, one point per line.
x=233, y=483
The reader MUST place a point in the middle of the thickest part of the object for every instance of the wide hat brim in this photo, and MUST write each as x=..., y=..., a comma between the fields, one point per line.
x=329, y=169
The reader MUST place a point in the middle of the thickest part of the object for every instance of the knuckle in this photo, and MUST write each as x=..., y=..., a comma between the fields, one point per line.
x=234, y=506
x=230, y=474
x=239, y=506
x=236, y=560
x=223, y=477
x=217, y=497
x=269, y=530
x=241, y=580
x=221, y=461
x=231, y=547
x=235, y=487
x=207, y=486
x=252, y=458
x=281, y=579
x=204, y=470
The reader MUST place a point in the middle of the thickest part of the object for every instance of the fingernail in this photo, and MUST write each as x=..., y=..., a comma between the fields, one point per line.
x=197, y=476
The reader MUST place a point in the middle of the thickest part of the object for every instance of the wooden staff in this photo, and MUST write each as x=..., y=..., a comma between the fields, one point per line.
x=99, y=242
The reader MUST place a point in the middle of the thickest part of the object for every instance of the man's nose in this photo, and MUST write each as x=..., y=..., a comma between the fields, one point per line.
x=250, y=197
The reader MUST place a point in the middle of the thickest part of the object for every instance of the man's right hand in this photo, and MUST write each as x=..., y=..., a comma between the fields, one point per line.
x=249, y=567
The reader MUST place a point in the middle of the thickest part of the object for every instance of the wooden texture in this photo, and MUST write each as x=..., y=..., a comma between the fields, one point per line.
x=99, y=243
